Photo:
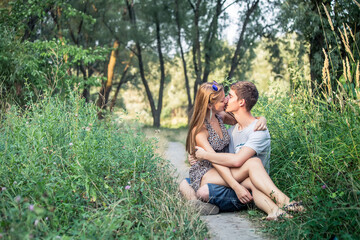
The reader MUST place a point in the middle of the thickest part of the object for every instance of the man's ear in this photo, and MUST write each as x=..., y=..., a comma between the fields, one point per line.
x=242, y=102
x=209, y=106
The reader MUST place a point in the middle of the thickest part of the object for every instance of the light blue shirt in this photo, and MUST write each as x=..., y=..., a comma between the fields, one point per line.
x=259, y=141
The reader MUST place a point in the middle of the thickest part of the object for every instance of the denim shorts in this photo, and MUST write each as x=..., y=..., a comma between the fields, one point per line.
x=223, y=197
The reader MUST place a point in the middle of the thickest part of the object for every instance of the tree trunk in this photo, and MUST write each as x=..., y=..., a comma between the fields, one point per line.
x=57, y=18
x=209, y=40
x=122, y=81
x=141, y=66
x=106, y=88
x=196, y=46
x=162, y=73
x=236, y=58
x=316, y=44
x=187, y=85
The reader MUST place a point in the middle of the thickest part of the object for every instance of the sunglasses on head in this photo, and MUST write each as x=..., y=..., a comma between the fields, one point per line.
x=214, y=86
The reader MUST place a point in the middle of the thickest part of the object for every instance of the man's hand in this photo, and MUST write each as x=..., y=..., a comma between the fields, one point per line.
x=243, y=195
x=192, y=159
x=261, y=124
x=199, y=152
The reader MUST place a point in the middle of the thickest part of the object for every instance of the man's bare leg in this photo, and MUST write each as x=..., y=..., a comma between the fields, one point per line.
x=253, y=169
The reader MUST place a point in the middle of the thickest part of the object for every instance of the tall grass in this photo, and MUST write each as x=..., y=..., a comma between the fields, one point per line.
x=64, y=174
x=315, y=158
x=315, y=152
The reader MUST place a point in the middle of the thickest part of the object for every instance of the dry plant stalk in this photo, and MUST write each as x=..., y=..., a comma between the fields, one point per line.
x=351, y=33
x=328, y=17
x=357, y=3
x=348, y=70
x=326, y=73
x=346, y=36
x=346, y=43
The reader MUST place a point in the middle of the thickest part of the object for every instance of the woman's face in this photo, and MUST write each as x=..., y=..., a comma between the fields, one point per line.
x=220, y=105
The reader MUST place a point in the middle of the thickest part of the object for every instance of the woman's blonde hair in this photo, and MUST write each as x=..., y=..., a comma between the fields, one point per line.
x=206, y=94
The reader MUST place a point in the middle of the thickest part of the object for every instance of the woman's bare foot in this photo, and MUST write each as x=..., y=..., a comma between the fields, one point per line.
x=278, y=215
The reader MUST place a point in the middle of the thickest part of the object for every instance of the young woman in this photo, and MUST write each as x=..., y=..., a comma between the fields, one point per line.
x=207, y=130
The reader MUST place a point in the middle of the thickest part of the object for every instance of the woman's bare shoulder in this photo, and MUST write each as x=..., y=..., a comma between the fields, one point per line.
x=203, y=132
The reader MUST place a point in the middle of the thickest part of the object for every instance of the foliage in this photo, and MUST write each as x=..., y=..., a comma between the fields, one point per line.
x=309, y=19
x=64, y=174
x=30, y=68
x=315, y=158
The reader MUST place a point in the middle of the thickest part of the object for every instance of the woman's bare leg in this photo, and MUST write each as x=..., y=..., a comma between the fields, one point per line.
x=187, y=191
x=253, y=169
x=264, y=202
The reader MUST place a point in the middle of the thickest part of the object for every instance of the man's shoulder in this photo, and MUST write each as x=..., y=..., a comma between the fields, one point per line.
x=263, y=136
x=261, y=133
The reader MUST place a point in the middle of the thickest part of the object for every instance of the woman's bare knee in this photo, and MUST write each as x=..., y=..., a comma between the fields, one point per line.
x=187, y=191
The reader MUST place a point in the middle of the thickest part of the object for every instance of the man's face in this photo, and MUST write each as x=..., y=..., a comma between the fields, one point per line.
x=232, y=102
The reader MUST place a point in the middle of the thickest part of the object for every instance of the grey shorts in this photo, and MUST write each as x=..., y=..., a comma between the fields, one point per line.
x=223, y=197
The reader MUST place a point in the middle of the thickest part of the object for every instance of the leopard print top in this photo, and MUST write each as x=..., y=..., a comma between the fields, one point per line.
x=198, y=170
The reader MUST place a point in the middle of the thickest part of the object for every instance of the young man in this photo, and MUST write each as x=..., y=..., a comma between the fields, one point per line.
x=245, y=143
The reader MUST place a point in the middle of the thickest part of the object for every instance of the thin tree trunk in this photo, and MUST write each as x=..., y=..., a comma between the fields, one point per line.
x=209, y=40
x=86, y=91
x=122, y=81
x=141, y=64
x=106, y=88
x=236, y=58
x=196, y=45
x=57, y=18
x=187, y=85
x=162, y=73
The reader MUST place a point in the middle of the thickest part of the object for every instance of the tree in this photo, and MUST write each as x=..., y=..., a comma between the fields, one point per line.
x=311, y=22
x=152, y=10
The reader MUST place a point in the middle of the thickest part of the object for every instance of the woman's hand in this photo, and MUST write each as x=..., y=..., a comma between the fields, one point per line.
x=199, y=152
x=192, y=159
x=243, y=195
x=261, y=124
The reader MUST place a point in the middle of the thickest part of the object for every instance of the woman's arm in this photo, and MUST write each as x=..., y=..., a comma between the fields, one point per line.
x=224, y=172
x=228, y=118
x=261, y=124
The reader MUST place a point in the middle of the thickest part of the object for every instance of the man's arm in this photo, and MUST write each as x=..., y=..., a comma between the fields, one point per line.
x=226, y=159
x=242, y=193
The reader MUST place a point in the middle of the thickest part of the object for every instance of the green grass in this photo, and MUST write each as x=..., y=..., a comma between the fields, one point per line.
x=316, y=158
x=64, y=174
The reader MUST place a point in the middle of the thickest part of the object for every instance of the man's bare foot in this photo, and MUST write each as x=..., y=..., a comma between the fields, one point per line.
x=278, y=215
x=295, y=207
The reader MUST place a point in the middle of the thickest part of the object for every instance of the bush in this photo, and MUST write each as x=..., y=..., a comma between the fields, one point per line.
x=64, y=174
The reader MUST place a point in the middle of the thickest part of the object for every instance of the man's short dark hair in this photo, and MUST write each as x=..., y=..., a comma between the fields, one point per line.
x=246, y=90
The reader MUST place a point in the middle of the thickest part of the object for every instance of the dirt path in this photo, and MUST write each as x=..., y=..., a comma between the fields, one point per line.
x=221, y=226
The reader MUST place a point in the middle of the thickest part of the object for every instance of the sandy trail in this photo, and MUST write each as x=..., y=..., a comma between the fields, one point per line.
x=221, y=226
